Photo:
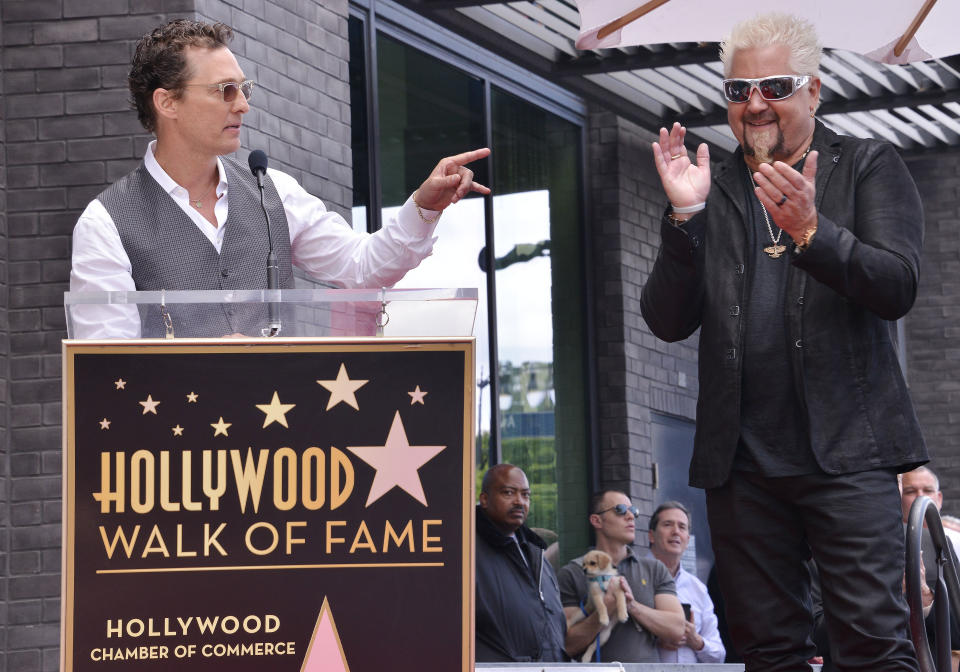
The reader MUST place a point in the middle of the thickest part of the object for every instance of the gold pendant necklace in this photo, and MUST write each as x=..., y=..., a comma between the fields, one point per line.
x=198, y=204
x=776, y=250
x=773, y=251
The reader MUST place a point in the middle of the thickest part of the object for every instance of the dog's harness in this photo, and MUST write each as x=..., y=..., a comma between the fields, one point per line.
x=602, y=579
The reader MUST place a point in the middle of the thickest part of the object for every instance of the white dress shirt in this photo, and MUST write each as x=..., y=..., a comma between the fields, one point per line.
x=321, y=242
x=692, y=591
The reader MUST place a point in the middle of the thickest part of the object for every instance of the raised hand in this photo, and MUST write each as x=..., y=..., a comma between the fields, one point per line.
x=450, y=181
x=684, y=182
x=789, y=196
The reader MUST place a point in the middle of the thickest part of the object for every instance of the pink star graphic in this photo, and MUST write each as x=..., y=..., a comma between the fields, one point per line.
x=416, y=397
x=397, y=463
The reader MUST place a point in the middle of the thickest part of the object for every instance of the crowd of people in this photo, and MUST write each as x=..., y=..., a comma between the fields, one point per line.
x=529, y=611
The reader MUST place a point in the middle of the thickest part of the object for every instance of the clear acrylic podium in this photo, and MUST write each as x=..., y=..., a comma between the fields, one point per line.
x=393, y=313
x=264, y=487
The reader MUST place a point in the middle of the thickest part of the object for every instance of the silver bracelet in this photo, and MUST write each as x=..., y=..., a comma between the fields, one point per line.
x=688, y=209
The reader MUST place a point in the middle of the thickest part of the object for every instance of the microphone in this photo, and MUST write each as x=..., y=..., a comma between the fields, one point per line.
x=258, y=166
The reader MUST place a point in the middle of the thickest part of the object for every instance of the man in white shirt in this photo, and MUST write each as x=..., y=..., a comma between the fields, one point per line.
x=191, y=92
x=669, y=536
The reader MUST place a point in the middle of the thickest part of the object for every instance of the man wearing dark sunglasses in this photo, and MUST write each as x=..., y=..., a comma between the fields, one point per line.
x=652, y=603
x=189, y=217
x=790, y=258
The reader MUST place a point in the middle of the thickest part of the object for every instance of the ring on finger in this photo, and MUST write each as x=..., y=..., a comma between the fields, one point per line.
x=782, y=201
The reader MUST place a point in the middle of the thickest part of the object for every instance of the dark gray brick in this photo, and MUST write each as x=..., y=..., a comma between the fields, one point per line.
x=19, y=81
x=98, y=101
x=58, y=223
x=129, y=27
x=35, y=199
x=20, y=58
x=24, y=611
x=101, y=53
x=31, y=10
x=24, y=464
x=95, y=8
x=35, y=248
x=69, y=79
x=83, y=172
x=78, y=126
x=34, y=105
x=28, y=489
x=59, y=32
x=19, y=177
x=100, y=148
x=36, y=152
x=21, y=130
x=25, y=320
x=121, y=123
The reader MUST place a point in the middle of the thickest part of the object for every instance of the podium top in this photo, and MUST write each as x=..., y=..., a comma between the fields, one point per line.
x=262, y=312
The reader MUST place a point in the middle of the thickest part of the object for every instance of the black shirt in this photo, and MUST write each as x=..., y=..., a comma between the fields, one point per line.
x=773, y=429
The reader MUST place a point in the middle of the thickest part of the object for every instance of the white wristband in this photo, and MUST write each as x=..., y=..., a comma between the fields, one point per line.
x=690, y=208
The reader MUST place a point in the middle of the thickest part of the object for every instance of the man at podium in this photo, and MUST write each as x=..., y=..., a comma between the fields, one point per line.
x=190, y=218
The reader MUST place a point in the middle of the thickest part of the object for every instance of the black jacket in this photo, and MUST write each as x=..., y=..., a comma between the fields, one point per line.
x=519, y=616
x=860, y=270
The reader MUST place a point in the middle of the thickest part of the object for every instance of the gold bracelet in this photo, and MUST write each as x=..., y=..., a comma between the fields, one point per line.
x=420, y=212
x=807, y=237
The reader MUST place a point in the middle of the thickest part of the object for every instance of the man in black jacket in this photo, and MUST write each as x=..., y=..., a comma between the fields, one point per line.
x=790, y=261
x=519, y=616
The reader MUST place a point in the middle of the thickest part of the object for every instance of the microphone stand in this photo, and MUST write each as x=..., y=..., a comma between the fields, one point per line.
x=273, y=270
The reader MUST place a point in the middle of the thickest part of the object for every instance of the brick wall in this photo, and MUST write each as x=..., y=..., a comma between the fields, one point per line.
x=67, y=132
x=933, y=326
x=636, y=372
x=4, y=386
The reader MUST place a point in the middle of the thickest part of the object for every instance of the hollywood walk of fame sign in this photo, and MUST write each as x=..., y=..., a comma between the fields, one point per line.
x=268, y=504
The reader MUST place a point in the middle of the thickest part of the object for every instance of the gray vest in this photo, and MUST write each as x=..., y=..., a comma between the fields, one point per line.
x=167, y=251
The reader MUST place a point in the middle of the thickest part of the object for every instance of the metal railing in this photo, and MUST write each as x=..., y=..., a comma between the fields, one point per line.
x=946, y=594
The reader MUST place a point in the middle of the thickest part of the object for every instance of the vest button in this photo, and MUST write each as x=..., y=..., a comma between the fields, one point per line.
x=224, y=272
x=799, y=343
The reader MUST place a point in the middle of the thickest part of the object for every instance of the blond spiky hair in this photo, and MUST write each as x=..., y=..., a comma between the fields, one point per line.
x=765, y=30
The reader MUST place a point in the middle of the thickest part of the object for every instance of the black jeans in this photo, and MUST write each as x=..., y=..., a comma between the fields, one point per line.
x=763, y=529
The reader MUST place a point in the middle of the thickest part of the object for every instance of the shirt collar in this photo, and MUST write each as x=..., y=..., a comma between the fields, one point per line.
x=680, y=569
x=167, y=182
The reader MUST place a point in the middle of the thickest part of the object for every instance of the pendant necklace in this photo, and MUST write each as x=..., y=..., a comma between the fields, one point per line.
x=773, y=251
x=776, y=250
x=198, y=204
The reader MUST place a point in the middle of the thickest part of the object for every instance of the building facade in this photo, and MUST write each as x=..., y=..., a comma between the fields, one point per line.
x=357, y=101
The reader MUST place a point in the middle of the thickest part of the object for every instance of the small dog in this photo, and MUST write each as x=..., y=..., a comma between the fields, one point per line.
x=601, y=576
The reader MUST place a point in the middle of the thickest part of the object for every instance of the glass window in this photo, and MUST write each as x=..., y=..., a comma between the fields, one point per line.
x=538, y=245
x=428, y=109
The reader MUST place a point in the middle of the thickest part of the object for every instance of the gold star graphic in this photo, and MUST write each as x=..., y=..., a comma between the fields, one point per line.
x=220, y=427
x=276, y=412
x=177, y=431
x=416, y=397
x=149, y=406
x=104, y=424
x=342, y=389
x=192, y=398
x=120, y=383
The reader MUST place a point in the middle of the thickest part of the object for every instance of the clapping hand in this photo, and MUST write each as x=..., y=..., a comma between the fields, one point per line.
x=684, y=182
